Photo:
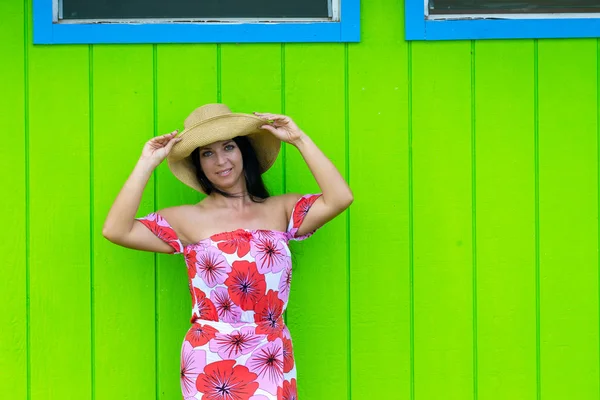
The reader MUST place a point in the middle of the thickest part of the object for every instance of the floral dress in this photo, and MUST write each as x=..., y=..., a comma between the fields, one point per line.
x=238, y=347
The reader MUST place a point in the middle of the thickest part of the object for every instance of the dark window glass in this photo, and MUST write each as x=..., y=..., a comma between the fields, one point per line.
x=512, y=7
x=203, y=9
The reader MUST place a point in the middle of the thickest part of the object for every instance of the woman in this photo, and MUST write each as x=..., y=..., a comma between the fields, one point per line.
x=235, y=243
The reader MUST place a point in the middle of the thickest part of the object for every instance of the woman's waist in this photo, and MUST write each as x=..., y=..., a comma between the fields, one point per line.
x=268, y=327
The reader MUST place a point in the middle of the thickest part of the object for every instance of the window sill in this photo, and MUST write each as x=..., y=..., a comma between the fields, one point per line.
x=47, y=32
x=520, y=27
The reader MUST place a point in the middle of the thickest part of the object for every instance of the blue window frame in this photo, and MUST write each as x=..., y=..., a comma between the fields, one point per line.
x=420, y=26
x=46, y=31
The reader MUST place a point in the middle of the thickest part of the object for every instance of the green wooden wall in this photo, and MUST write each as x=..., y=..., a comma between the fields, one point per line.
x=467, y=267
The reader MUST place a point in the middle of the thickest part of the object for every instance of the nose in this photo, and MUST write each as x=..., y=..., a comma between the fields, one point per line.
x=221, y=159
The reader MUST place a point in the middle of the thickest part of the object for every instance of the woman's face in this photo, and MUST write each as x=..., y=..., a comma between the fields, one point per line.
x=223, y=165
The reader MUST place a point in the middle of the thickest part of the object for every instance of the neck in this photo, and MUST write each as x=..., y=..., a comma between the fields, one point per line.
x=236, y=199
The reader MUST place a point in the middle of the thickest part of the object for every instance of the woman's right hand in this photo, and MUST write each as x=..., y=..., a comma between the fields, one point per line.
x=156, y=149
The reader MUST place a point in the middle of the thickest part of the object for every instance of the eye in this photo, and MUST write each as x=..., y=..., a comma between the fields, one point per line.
x=229, y=147
x=207, y=153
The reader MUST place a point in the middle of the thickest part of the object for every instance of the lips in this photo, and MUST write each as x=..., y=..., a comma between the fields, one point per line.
x=225, y=172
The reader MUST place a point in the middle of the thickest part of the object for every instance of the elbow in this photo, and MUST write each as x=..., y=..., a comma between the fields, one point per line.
x=349, y=199
x=107, y=234
x=345, y=200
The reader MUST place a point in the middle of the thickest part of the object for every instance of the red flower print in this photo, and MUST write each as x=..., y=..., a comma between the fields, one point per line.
x=236, y=343
x=192, y=364
x=267, y=314
x=222, y=381
x=227, y=309
x=246, y=286
x=270, y=254
x=231, y=242
x=288, y=355
x=159, y=226
x=199, y=335
x=302, y=207
x=267, y=363
x=190, y=262
x=204, y=307
x=211, y=266
x=288, y=391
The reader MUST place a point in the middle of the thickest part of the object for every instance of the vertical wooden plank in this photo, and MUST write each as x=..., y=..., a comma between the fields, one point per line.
x=124, y=279
x=251, y=81
x=568, y=188
x=505, y=190
x=60, y=326
x=379, y=261
x=441, y=96
x=179, y=91
x=318, y=310
x=13, y=322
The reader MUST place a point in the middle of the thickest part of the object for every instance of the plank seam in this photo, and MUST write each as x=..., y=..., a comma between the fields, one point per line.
x=27, y=199
x=411, y=258
x=347, y=171
x=92, y=213
x=474, y=222
x=598, y=175
x=283, y=144
x=219, y=94
x=283, y=111
x=154, y=180
x=537, y=219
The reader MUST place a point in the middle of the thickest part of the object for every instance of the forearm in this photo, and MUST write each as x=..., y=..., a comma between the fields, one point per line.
x=335, y=190
x=121, y=216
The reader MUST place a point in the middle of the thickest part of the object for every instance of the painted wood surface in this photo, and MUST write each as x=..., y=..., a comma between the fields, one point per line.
x=467, y=267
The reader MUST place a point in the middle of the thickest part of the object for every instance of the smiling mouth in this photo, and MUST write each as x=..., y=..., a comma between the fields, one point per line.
x=225, y=172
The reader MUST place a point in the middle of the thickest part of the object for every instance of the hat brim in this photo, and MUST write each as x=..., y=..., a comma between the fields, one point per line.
x=222, y=127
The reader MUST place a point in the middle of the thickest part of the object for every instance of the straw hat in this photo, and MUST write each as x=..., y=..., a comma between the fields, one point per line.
x=212, y=123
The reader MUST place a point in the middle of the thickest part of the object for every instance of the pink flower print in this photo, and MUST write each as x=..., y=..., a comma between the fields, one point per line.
x=228, y=311
x=211, y=266
x=236, y=343
x=269, y=253
x=286, y=332
x=267, y=363
x=284, y=284
x=192, y=364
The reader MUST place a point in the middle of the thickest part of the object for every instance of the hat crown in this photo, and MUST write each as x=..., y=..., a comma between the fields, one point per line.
x=205, y=112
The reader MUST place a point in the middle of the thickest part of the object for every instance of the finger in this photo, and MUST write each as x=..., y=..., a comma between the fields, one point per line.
x=172, y=143
x=165, y=138
x=168, y=135
x=269, y=115
x=269, y=128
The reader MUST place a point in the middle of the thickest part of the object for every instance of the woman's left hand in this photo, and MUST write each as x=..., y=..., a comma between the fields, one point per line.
x=282, y=127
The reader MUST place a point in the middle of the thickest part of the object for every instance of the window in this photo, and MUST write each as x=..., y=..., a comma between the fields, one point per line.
x=496, y=19
x=199, y=21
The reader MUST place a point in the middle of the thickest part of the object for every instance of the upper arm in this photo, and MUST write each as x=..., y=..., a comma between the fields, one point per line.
x=308, y=213
x=151, y=233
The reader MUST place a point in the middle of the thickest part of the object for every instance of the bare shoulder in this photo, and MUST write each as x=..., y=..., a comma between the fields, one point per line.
x=181, y=217
x=178, y=212
x=285, y=201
